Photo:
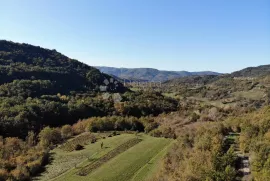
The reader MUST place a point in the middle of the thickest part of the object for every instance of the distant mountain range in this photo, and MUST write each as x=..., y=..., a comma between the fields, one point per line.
x=149, y=74
x=225, y=80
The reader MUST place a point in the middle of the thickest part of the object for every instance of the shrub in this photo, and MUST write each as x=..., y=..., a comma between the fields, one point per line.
x=156, y=133
x=79, y=127
x=66, y=131
x=49, y=136
x=78, y=147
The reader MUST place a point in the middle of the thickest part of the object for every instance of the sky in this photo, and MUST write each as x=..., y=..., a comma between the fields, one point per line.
x=192, y=35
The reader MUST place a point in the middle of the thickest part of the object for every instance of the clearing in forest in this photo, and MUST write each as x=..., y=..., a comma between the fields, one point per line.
x=125, y=157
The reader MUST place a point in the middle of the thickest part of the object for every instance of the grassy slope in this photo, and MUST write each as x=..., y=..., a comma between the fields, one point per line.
x=147, y=172
x=137, y=163
x=64, y=161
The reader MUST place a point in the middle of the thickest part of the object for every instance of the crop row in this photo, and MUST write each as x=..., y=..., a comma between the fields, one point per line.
x=120, y=149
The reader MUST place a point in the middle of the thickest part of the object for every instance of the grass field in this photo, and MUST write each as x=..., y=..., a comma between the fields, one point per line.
x=137, y=163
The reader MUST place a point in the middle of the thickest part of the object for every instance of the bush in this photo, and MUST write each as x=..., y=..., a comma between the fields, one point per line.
x=156, y=133
x=79, y=127
x=49, y=136
x=66, y=131
x=78, y=147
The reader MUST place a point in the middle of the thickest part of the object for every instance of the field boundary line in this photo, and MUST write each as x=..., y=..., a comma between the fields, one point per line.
x=134, y=176
x=86, y=170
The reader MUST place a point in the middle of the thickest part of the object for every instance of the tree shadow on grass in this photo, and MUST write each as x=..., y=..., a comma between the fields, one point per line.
x=47, y=161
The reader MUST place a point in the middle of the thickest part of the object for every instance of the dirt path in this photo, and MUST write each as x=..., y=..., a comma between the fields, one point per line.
x=244, y=167
x=243, y=162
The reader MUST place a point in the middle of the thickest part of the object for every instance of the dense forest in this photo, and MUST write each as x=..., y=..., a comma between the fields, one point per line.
x=41, y=87
x=62, y=74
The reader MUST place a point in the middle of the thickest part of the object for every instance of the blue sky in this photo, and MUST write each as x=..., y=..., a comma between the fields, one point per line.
x=193, y=35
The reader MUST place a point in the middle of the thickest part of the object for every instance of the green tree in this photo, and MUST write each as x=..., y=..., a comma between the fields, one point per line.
x=230, y=173
x=49, y=136
x=31, y=139
x=66, y=131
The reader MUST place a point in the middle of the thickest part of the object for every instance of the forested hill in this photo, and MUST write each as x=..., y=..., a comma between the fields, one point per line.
x=48, y=70
x=252, y=71
x=150, y=74
x=192, y=80
x=40, y=87
x=260, y=73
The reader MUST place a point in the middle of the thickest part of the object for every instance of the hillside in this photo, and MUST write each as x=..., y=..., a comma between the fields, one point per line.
x=252, y=71
x=43, y=87
x=139, y=162
x=248, y=88
x=149, y=74
x=247, y=74
x=55, y=72
x=192, y=80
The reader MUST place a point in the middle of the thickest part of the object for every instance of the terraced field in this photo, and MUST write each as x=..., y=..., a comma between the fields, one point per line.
x=130, y=161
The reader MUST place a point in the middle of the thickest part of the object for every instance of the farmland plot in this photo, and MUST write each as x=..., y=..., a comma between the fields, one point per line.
x=139, y=162
x=63, y=161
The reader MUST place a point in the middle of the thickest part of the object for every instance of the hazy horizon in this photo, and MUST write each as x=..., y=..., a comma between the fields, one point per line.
x=157, y=69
